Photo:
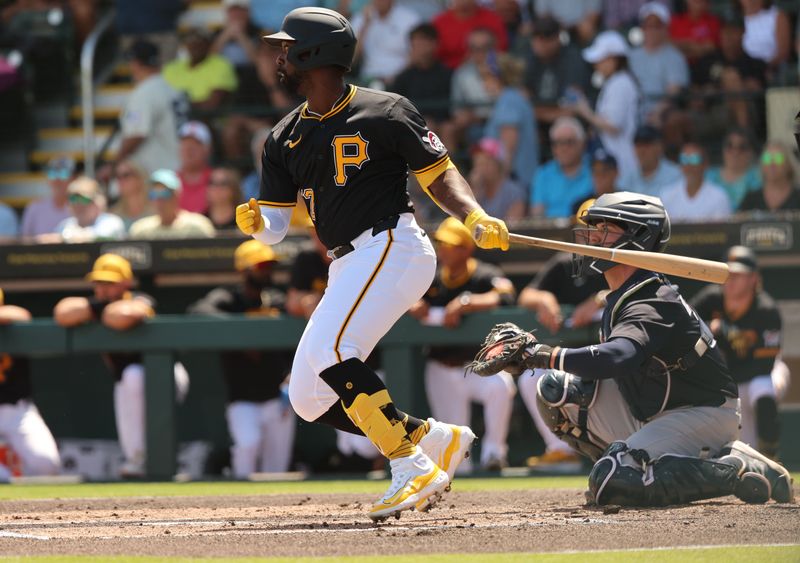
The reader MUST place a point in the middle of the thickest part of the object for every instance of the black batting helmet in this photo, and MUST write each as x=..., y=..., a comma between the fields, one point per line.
x=319, y=37
x=643, y=217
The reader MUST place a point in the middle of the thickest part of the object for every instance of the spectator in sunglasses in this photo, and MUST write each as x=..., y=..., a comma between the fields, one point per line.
x=738, y=175
x=224, y=194
x=133, y=203
x=779, y=192
x=694, y=198
x=44, y=215
x=170, y=221
x=88, y=220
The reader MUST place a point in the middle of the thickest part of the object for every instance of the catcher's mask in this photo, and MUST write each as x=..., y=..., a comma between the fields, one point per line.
x=643, y=218
x=318, y=36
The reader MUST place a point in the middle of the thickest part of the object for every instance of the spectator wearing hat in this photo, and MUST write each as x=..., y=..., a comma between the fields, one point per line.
x=566, y=179
x=88, y=220
x=119, y=308
x=260, y=420
x=224, y=194
x=659, y=67
x=696, y=31
x=779, y=192
x=605, y=174
x=133, y=203
x=497, y=193
x=512, y=120
x=207, y=78
x=170, y=221
x=694, y=198
x=464, y=285
x=719, y=79
x=747, y=325
x=552, y=70
x=44, y=215
x=382, y=28
x=455, y=24
x=580, y=17
x=152, y=113
x=195, y=168
x=653, y=172
x=616, y=114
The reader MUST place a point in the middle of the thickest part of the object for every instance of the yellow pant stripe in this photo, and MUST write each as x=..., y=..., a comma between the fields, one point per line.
x=361, y=296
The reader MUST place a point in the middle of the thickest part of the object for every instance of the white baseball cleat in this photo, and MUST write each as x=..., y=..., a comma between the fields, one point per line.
x=416, y=481
x=447, y=445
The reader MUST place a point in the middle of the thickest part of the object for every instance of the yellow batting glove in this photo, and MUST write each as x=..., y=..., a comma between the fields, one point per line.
x=248, y=217
x=488, y=232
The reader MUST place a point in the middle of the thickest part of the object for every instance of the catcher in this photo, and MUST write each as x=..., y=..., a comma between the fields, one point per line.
x=652, y=404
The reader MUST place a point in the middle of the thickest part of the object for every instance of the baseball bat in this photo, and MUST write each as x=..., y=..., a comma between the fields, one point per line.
x=671, y=264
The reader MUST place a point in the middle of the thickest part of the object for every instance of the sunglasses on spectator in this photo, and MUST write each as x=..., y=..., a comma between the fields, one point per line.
x=58, y=174
x=737, y=146
x=772, y=158
x=566, y=142
x=79, y=199
x=160, y=194
x=691, y=159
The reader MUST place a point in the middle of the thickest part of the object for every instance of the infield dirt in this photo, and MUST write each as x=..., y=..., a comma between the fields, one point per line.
x=337, y=524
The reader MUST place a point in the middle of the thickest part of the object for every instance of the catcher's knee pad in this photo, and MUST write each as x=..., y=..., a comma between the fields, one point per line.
x=613, y=482
x=558, y=389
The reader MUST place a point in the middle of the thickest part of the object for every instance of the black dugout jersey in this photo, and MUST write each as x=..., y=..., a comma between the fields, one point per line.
x=648, y=310
x=556, y=277
x=118, y=361
x=350, y=165
x=752, y=341
x=15, y=379
x=479, y=278
x=309, y=272
x=250, y=375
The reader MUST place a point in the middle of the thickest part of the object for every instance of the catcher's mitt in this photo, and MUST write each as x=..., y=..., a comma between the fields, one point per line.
x=506, y=347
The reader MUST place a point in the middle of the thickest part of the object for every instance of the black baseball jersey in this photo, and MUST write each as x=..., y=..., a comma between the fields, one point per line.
x=479, y=278
x=118, y=361
x=556, y=277
x=648, y=310
x=350, y=165
x=15, y=379
x=250, y=375
x=752, y=341
x=309, y=272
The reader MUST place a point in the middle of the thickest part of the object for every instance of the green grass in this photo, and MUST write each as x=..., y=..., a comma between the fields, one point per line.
x=223, y=488
x=739, y=554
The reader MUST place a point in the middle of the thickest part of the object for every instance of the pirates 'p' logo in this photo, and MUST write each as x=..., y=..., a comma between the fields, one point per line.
x=348, y=150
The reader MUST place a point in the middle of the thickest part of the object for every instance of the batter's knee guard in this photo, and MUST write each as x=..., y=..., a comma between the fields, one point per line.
x=670, y=479
x=558, y=389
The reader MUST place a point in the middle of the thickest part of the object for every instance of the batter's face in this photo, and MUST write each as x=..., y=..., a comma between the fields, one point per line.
x=604, y=234
x=294, y=80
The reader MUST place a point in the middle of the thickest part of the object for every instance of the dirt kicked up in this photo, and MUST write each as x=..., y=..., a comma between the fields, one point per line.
x=337, y=524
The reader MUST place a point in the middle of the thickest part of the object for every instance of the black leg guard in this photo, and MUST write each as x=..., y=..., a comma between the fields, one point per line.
x=668, y=480
x=752, y=461
x=336, y=417
x=767, y=426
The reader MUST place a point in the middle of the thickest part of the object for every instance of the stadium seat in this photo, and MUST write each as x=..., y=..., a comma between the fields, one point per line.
x=19, y=189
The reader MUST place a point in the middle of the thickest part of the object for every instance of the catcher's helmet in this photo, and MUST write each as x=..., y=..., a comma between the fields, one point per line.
x=643, y=217
x=320, y=37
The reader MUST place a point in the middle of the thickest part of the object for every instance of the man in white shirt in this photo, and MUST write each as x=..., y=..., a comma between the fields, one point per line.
x=88, y=220
x=693, y=198
x=383, y=28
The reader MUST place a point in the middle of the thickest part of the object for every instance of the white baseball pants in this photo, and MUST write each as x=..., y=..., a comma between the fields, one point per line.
x=368, y=290
x=263, y=436
x=22, y=428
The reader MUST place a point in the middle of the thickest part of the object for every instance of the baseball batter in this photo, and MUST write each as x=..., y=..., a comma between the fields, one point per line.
x=347, y=152
x=652, y=404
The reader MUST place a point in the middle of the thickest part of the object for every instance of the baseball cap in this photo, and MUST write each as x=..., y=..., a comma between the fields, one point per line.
x=606, y=44
x=453, y=232
x=166, y=178
x=490, y=146
x=86, y=187
x=196, y=130
x=546, y=27
x=647, y=134
x=252, y=252
x=742, y=260
x=145, y=52
x=654, y=9
x=60, y=167
x=110, y=268
x=602, y=155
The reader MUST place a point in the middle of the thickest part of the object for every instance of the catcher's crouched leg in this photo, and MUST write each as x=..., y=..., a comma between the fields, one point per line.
x=629, y=478
x=557, y=390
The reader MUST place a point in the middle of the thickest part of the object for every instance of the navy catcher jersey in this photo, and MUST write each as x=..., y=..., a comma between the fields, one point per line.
x=350, y=166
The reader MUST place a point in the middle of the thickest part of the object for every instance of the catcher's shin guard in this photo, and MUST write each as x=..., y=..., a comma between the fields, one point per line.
x=557, y=389
x=751, y=461
x=670, y=479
